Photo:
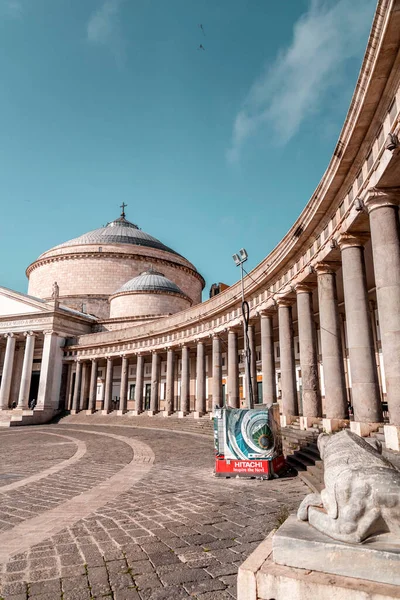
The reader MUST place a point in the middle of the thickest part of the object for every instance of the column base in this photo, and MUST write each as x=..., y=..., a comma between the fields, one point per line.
x=121, y=412
x=135, y=413
x=211, y=415
x=90, y=411
x=392, y=437
x=105, y=411
x=151, y=413
x=363, y=429
x=167, y=413
x=332, y=425
x=308, y=422
x=287, y=420
x=182, y=414
x=197, y=414
x=72, y=412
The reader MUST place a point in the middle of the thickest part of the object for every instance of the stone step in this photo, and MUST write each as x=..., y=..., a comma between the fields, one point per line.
x=296, y=463
x=305, y=458
x=315, y=483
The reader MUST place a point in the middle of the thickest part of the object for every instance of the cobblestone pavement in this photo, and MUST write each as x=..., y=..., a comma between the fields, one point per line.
x=140, y=516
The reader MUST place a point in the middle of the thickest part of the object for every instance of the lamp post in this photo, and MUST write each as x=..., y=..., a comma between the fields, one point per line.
x=239, y=259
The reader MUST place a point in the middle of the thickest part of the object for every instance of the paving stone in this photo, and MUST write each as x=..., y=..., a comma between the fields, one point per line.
x=205, y=585
x=74, y=583
x=45, y=587
x=183, y=575
x=169, y=593
x=141, y=566
x=126, y=594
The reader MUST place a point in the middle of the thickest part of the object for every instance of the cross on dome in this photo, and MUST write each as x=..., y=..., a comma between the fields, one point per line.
x=123, y=206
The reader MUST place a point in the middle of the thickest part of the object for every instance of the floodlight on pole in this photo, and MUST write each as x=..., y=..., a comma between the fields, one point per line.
x=239, y=259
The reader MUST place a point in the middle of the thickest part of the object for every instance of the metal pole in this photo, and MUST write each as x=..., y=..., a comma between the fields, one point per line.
x=246, y=350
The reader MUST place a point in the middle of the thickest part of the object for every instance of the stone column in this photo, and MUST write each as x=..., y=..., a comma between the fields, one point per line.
x=217, y=372
x=93, y=387
x=109, y=385
x=155, y=383
x=169, y=388
x=26, y=377
x=139, y=385
x=383, y=211
x=84, y=384
x=253, y=362
x=288, y=366
x=268, y=359
x=364, y=376
x=50, y=371
x=7, y=372
x=123, y=391
x=201, y=381
x=233, y=370
x=77, y=388
x=185, y=382
x=385, y=237
x=312, y=406
x=331, y=348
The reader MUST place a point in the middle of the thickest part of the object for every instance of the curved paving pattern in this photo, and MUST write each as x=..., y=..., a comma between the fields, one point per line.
x=172, y=531
x=80, y=451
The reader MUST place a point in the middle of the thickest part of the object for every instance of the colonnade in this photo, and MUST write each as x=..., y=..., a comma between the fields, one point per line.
x=325, y=360
x=17, y=369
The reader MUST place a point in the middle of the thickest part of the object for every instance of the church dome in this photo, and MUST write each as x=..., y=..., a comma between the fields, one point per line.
x=90, y=268
x=120, y=231
x=148, y=295
x=150, y=281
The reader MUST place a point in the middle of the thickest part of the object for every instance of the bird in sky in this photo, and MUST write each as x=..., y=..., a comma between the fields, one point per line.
x=202, y=28
x=201, y=47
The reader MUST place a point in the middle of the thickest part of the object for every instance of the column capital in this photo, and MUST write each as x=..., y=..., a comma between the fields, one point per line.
x=378, y=197
x=267, y=312
x=284, y=301
x=326, y=268
x=30, y=334
x=352, y=240
x=50, y=332
x=303, y=288
x=9, y=335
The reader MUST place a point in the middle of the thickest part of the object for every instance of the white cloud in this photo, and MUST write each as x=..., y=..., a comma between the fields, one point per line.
x=104, y=29
x=297, y=83
x=11, y=8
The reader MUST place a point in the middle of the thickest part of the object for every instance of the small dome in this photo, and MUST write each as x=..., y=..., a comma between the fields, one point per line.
x=120, y=231
x=150, y=281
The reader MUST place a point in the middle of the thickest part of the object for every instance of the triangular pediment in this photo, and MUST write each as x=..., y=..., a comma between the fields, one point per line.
x=15, y=303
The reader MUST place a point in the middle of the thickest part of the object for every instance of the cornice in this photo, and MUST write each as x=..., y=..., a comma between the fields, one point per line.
x=117, y=255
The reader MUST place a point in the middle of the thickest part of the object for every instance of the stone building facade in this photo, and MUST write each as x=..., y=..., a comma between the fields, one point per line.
x=324, y=304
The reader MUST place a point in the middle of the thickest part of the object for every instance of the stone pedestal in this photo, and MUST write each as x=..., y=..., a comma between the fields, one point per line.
x=287, y=420
x=308, y=422
x=266, y=576
x=363, y=429
x=90, y=411
x=392, y=437
x=121, y=412
x=298, y=544
x=167, y=413
x=105, y=411
x=332, y=425
x=182, y=414
x=197, y=414
x=151, y=413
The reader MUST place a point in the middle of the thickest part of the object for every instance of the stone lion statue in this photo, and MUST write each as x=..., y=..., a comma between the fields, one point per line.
x=361, y=497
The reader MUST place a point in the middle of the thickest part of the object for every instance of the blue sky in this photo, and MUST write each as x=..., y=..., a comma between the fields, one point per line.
x=105, y=101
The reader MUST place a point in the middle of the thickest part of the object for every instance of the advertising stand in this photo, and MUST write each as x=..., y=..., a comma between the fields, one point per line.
x=247, y=442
